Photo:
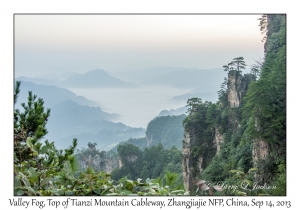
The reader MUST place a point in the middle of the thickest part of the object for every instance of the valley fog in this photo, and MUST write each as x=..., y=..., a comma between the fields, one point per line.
x=137, y=106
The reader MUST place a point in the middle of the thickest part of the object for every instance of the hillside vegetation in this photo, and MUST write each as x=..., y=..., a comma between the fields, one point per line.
x=242, y=137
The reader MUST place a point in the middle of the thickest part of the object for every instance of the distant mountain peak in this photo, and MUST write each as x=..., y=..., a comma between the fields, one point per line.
x=95, y=78
x=96, y=71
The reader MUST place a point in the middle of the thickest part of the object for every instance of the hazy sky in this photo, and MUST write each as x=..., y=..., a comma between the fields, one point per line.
x=64, y=43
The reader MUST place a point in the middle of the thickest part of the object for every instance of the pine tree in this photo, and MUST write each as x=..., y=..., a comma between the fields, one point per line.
x=34, y=118
x=237, y=64
x=35, y=163
x=31, y=123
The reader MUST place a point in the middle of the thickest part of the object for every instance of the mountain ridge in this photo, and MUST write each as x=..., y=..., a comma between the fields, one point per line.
x=95, y=78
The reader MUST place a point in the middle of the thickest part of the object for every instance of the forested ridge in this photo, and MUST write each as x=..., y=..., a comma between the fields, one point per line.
x=239, y=139
x=242, y=137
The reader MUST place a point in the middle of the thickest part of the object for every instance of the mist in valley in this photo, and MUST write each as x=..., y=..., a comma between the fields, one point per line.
x=105, y=84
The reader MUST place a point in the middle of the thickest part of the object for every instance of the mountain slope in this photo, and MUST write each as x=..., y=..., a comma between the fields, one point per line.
x=167, y=130
x=93, y=79
x=179, y=111
x=105, y=139
x=164, y=130
x=70, y=118
x=51, y=95
x=40, y=81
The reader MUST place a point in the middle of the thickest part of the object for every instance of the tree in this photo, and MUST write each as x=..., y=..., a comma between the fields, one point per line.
x=32, y=122
x=193, y=104
x=35, y=163
x=263, y=26
x=237, y=64
x=256, y=67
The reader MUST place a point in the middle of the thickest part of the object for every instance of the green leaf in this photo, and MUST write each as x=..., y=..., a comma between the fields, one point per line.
x=20, y=192
x=30, y=189
x=17, y=182
x=97, y=191
x=45, y=181
x=177, y=191
x=32, y=174
x=112, y=194
x=24, y=179
x=241, y=193
x=29, y=142
x=105, y=192
x=129, y=185
x=44, y=149
x=69, y=192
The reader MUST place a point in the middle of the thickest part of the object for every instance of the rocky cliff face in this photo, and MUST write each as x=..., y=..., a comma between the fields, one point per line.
x=260, y=150
x=234, y=82
x=149, y=140
x=131, y=158
x=187, y=165
x=99, y=162
x=192, y=164
x=110, y=164
x=237, y=87
x=187, y=158
x=218, y=139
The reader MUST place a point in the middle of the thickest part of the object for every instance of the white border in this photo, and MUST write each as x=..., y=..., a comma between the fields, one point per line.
x=8, y=8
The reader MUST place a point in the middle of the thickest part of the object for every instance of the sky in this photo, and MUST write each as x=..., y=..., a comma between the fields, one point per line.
x=46, y=44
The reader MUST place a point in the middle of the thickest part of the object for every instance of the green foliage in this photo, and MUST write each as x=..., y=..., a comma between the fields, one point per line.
x=148, y=188
x=265, y=102
x=263, y=26
x=256, y=67
x=215, y=170
x=167, y=130
x=244, y=183
x=139, y=142
x=36, y=173
x=16, y=91
x=201, y=124
x=153, y=162
x=280, y=181
x=236, y=65
x=33, y=120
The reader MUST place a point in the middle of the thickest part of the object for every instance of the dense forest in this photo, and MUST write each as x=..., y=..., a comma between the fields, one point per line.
x=151, y=162
x=240, y=140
